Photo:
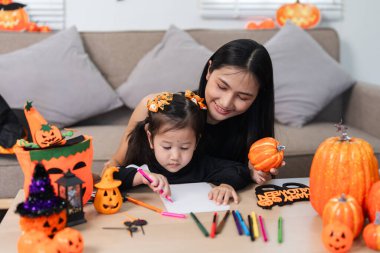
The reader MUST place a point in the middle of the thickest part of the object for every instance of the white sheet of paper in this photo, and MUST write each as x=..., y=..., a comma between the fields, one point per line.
x=192, y=198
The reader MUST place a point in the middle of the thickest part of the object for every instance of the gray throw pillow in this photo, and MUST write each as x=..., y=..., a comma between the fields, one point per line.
x=306, y=78
x=60, y=79
x=175, y=64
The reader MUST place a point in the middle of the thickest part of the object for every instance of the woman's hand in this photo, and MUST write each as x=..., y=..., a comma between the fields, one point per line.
x=222, y=194
x=159, y=182
x=261, y=177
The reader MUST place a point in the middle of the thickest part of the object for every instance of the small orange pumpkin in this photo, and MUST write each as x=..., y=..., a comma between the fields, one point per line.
x=260, y=23
x=108, y=199
x=69, y=240
x=266, y=153
x=303, y=15
x=346, y=210
x=371, y=234
x=48, y=135
x=49, y=246
x=13, y=16
x=337, y=237
x=373, y=201
x=29, y=239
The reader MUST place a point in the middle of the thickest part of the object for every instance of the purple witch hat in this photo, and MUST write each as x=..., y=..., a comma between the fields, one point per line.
x=42, y=200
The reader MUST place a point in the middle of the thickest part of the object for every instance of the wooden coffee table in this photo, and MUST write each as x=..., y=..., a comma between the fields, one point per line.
x=302, y=228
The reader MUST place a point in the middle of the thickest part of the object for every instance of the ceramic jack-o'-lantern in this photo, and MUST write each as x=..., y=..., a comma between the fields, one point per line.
x=301, y=14
x=13, y=16
x=29, y=239
x=69, y=240
x=42, y=210
x=337, y=237
x=108, y=199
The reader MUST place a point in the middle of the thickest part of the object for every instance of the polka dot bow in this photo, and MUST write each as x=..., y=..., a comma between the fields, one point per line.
x=159, y=101
x=196, y=99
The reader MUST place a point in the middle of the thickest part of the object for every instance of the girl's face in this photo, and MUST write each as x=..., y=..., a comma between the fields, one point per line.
x=173, y=149
x=230, y=91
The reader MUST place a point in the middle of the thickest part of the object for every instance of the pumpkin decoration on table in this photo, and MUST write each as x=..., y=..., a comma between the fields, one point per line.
x=13, y=16
x=371, y=233
x=265, y=154
x=342, y=165
x=346, y=210
x=29, y=239
x=337, y=237
x=69, y=240
x=302, y=14
x=108, y=199
x=56, y=153
x=373, y=201
x=42, y=210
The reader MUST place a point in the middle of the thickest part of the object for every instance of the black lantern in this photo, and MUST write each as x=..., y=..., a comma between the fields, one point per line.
x=70, y=189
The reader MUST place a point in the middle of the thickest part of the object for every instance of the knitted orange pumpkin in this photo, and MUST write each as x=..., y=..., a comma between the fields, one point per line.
x=266, y=153
x=346, y=210
x=337, y=237
x=342, y=165
x=69, y=240
x=373, y=201
x=371, y=234
x=303, y=15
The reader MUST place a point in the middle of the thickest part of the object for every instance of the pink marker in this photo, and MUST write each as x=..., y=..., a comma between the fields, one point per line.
x=175, y=215
x=141, y=171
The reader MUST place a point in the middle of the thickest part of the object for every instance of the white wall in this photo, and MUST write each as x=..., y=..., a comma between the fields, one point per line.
x=358, y=30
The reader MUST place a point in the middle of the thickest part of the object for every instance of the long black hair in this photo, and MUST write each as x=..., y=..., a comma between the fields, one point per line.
x=258, y=121
x=181, y=112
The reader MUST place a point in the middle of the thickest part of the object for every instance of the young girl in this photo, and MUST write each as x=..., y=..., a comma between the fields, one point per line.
x=166, y=141
x=237, y=83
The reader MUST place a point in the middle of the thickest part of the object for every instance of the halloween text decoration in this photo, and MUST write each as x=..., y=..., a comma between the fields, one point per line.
x=342, y=164
x=301, y=14
x=42, y=210
x=70, y=188
x=265, y=154
x=271, y=195
x=58, y=154
x=108, y=199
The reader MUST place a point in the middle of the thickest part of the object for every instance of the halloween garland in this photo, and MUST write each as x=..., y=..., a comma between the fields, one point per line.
x=271, y=195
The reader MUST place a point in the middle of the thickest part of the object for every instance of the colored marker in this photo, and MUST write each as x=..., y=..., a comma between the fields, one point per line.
x=243, y=225
x=150, y=180
x=250, y=223
x=279, y=229
x=175, y=215
x=199, y=224
x=255, y=226
x=213, y=226
x=220, y=226
x=237, y=223
x=263, y=228
x=140, y=203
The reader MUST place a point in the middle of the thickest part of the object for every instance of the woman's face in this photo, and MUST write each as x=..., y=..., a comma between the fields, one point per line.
x=230, y=91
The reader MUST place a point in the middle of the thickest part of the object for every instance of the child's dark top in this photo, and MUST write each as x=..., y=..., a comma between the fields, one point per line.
x=200, y=169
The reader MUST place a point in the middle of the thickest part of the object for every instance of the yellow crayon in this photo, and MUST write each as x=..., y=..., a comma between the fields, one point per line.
x=255, y=227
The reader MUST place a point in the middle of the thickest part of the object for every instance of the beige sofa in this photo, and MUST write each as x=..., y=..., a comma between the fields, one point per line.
x=116, y=54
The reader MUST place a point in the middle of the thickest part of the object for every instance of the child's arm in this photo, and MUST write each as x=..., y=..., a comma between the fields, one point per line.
x=222, y=194
x=159, y=182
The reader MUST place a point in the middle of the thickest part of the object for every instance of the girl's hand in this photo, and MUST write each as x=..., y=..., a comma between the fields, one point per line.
x=222, y=194
x=261, y=177
x=159, y=182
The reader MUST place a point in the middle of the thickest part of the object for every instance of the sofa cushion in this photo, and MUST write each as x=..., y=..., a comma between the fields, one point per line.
x=175, y=64
x=58, y=76
x=306, y=78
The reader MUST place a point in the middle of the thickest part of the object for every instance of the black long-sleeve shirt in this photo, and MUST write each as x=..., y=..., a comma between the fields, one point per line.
x=200, y=169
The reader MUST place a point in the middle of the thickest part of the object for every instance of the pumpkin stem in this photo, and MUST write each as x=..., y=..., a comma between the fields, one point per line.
x=342, y=128
x=343, y=198
x=377, y=220
x=280, y=148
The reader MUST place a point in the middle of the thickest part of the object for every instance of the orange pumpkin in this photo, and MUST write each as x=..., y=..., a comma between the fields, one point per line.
x=69, y=240
x=371, y=234
x=260, y=23
x=337, y=237
x=29, y=239
x=49, y=246
x=48, y=135
x=373, y=201
x=266, y=153
x=13, y=17
x=346, y=210
x=303, y=15
x=342, y=165
x=108, y=199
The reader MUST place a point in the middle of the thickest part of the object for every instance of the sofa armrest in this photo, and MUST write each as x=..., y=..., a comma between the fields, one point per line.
x=362, y=110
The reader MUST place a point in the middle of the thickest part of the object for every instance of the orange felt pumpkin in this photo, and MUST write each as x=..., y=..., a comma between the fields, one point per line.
x=371, y=234
x=303, y=15
x=373, y=201
x=342, y=165
x=108, y=199
x=48, y=135
x=29, y=239
x=266, y=153
x=13, y=17
x=346, y=210
x=69, y=240
x=337, y=237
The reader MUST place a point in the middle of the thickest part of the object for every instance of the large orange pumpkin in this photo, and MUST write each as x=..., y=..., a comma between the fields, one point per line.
x=373, y=201
x=13, y=17
x=57, y=160
x=266, y=153
x=346, y=210
x=371, y=234
x=342, y=165
x=303, y=15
